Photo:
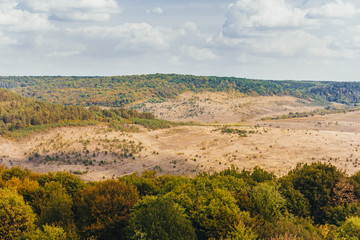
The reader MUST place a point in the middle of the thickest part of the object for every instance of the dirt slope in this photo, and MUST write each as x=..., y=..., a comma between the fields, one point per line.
x=212, y=107
x=97, y=152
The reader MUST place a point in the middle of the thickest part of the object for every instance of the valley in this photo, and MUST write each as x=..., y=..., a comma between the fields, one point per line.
x=99, y=152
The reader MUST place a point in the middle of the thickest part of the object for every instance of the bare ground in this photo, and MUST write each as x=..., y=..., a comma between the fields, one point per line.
x=209, y=107
x=97, y=152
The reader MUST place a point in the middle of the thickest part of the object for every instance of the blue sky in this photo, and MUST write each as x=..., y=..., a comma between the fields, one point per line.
x=266, y=39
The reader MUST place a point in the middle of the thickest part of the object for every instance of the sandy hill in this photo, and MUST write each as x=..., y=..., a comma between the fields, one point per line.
x=96, y=152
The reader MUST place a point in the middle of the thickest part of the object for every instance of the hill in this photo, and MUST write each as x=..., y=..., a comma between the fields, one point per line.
x=118, y=91
x=20, y=115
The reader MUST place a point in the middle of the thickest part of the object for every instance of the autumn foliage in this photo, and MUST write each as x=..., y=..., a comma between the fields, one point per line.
x=315, y=201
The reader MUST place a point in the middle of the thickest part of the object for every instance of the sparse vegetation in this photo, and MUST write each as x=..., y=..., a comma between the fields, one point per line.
x=324, y=111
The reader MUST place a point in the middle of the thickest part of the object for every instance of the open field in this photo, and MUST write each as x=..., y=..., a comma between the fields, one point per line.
x=97, y=152
x=210, y=107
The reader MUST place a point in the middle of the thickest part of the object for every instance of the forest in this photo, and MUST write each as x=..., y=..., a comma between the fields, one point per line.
x=118, y=91
x=316, y=201
x=21, y=116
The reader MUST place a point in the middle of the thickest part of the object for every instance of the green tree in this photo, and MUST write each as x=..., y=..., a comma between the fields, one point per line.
x=349, y=230
x=146, y=184
x=355, y=181
x=16, y=217
x=316, y=182
x=337, y=214
x=268, y=201
x=73, y=184
x=242, y=231
x=213, y=211
x=296, y=203
x=56, y=206
x=15, y=172
x=105, y=209
x=160, y=218
x=27, y=188
x=258, y=175
x=48, y=233
x=298, y=228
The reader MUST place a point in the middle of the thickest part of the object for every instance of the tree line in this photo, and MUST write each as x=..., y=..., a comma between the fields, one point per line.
x=20, y=115
x=316, y=201
x=118, y=91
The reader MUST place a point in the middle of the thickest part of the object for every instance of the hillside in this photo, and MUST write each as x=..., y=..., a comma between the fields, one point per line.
x=106, y=142
x=248, y=149
x=222, y=107
x=118, y=91
x=20, y=115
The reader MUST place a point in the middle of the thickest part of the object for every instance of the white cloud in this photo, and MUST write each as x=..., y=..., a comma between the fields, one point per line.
x=64, y=53
x=276, y=29
x=355, y=38
x=245, y=16
x=268, y=37
x=334, y=9
x=81, y=16
x=5, y=40
x=142, y=35
x=64, y=5
x=21, y=20
x=200, y=54
x=157, y=10
x=97, y=10
x=295, y=44
x=189, y=28
x=129, y=36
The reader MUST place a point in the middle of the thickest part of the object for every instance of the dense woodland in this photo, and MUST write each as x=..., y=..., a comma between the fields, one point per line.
x=119, y=91
x=20, y=115
x=315, y=201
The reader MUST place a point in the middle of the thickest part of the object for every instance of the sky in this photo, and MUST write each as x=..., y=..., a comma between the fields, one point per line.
x=262, y=39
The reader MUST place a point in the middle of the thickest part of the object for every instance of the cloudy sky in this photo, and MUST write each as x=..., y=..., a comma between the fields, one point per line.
x=266, y=39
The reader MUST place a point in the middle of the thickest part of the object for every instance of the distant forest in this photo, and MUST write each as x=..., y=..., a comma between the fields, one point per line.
x=118, y=91
x=21, y=116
